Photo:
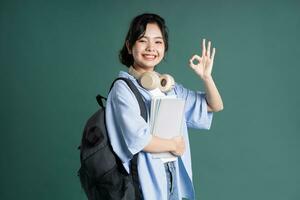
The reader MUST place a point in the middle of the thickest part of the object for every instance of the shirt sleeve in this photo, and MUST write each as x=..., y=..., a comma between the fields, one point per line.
x=129, y=133
x=196, y=113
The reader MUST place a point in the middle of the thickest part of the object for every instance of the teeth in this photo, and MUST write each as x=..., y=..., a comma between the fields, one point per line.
x=149, y=56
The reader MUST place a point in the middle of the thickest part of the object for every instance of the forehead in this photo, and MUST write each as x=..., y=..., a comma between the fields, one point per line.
x=152, y=30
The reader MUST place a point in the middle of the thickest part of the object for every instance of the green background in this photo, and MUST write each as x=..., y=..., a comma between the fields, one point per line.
x=57, y=55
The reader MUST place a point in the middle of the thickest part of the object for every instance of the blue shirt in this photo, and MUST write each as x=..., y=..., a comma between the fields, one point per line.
x=129, y=133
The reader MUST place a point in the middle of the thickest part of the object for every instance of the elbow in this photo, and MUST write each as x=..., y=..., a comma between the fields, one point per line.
x=217, y=108
x=220, y=108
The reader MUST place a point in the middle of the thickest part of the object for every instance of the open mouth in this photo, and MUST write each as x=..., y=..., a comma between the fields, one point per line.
x=149, y=56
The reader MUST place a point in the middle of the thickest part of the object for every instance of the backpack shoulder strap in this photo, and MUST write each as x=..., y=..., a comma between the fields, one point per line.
x=143, y=109
x=136, y=93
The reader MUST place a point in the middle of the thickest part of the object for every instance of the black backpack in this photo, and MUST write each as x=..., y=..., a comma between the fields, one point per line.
x=101, y=173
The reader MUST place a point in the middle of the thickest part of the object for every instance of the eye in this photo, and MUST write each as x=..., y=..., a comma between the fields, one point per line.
x=158, y=42
x=142, y=40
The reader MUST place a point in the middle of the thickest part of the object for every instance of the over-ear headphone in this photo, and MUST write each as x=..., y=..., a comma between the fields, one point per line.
x=152, y=80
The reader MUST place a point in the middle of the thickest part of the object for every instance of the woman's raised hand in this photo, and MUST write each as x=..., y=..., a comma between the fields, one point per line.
x=204, y=64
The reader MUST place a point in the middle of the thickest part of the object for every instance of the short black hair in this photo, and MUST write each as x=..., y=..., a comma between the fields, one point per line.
x=137, y=29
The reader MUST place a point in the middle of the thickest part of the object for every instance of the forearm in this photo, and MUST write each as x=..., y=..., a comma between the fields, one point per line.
x=158, y=145
x=213, y=96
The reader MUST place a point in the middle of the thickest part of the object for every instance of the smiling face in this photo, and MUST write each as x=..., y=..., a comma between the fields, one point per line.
x=149, y=49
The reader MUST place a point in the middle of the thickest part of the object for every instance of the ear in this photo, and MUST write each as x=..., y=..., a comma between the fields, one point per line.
x=127, y=46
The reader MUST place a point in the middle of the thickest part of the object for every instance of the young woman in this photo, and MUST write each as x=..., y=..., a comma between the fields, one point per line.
x=144, y=48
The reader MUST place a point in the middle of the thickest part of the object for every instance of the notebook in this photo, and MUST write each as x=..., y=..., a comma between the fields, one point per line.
x=166, y=119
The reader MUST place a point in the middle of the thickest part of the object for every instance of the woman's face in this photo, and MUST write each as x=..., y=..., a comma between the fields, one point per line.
x=148, y=50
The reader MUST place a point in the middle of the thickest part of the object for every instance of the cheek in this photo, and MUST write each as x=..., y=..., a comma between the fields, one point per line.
x=162, y=52
x=161, y=48
x=136, y=50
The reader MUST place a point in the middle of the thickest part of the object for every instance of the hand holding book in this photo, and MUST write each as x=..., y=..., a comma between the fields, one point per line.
x=179, y=146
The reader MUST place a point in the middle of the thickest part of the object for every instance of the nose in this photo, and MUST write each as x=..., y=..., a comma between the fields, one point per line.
x=150, y=46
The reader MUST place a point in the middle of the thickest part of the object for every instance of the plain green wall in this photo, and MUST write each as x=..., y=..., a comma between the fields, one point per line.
x=57, y=55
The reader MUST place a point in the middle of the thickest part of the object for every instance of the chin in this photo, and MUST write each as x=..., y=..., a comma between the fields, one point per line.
x=148, y=64
x=151, y=64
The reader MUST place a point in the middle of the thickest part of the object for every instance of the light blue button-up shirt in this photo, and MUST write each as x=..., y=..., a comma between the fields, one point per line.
x=129, y=133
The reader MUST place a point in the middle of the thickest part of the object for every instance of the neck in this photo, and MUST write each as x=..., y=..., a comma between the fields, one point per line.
x=142, y=69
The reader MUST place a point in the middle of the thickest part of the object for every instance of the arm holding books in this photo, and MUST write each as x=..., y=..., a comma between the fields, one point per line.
x=203, y=69
x=175, y=145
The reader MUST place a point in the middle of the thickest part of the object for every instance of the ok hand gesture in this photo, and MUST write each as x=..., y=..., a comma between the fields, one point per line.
x=204, y=62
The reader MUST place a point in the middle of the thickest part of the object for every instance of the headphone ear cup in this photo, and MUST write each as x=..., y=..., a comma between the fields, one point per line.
x=167, y=83
x=150, y=80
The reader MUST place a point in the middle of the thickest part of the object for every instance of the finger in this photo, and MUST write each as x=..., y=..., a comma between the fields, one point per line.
x=203, y=48
x=208, y=49
x=213, y=54
x=194, y=58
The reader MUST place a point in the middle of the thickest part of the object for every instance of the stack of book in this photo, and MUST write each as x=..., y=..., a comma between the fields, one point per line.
x=166, y=119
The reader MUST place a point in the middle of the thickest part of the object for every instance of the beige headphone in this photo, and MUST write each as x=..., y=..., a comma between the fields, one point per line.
x=152, y=80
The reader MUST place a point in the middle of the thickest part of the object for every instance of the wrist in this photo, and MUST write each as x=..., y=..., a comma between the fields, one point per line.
x=206, y=78
x=173, y=145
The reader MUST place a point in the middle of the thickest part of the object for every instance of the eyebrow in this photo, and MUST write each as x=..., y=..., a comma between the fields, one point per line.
x=158, y=37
